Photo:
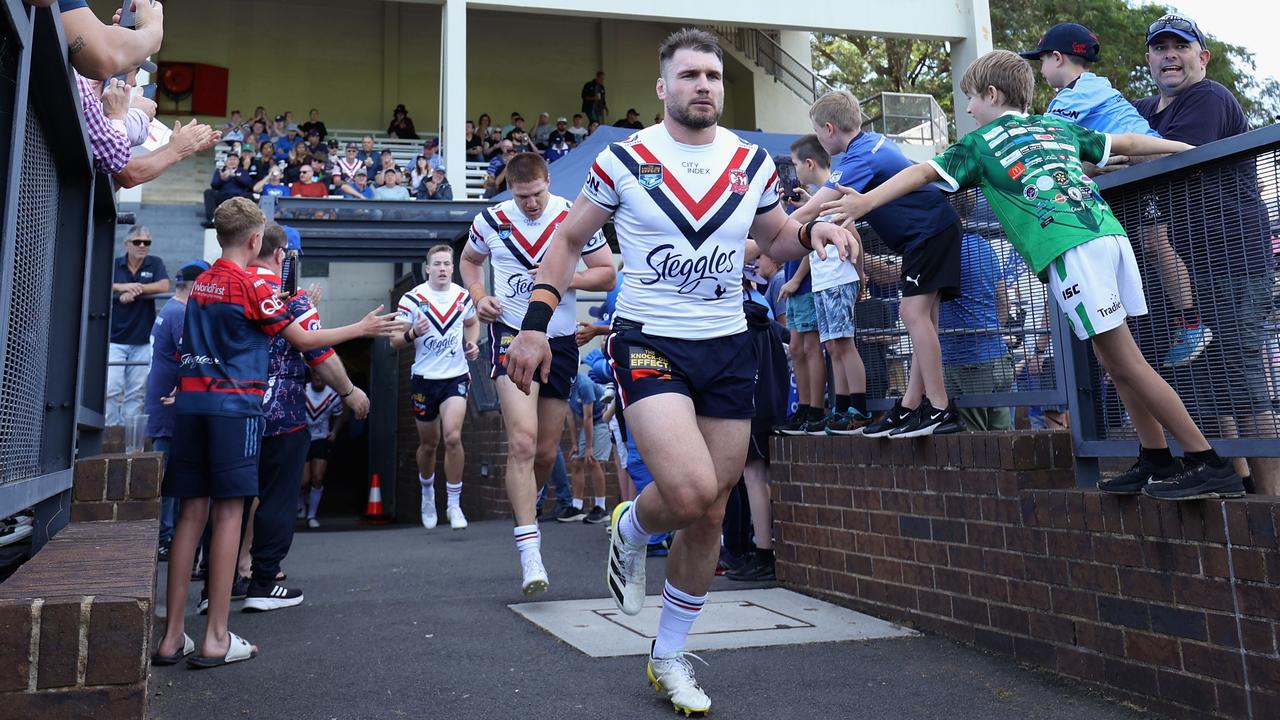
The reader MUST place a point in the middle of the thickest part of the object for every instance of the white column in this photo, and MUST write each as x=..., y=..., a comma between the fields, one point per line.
x=977, y=42
x=453, y=79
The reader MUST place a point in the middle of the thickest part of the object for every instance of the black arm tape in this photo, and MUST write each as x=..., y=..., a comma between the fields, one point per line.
x=806, y=236
x=549, y=288
x=537, y=317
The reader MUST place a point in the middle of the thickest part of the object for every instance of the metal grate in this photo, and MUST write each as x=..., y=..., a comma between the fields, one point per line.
x=26, y=338
x=1205, y=239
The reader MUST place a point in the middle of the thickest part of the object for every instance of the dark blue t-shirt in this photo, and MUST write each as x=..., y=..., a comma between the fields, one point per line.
x=166, y=349
x=789, y=269
x=66, y=5
x=904, y=224
x=131, y=322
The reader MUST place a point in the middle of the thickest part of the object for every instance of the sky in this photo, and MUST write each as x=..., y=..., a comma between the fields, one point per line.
x=1238, y=22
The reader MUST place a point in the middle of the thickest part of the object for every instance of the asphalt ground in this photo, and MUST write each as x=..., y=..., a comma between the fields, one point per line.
x=409, y=623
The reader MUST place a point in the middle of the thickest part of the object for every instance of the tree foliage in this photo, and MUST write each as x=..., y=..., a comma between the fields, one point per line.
x=868, y=65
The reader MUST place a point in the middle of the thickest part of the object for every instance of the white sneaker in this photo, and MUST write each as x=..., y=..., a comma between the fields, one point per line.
x=624, y=573
x=674, y=676
x=457, y=520
x=535, y=576
x=313, y=523
x=302, y=512
x=429, y=517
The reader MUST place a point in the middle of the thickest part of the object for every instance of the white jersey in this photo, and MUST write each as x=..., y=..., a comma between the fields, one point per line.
x=322, y=406
x=683, y=213
x=438, y=355
x=515, y=245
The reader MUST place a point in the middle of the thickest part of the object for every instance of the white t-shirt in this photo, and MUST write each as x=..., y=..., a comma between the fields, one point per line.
x=829, y=273
x=322, y=406
x=438, y=354
x=515, y=245
x=683, y=213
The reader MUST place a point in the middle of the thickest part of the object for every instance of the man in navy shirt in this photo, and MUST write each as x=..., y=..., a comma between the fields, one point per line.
x=162, y=381
x=1223, y=239
x=137, y=273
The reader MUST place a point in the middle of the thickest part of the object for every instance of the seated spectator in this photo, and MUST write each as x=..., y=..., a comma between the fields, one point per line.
x=591, y=129
x=631, y=121
x=391, y=189
x=359, y=186
x=388, y=163
x=307, y=184
x=235, y=128
x=520, y=141
x=293, y=166
x=493, y=144
x=578, y=132
x=431, y=151
x=279, y=128
x=289, y=119
x=291, y=140
x=367, y=154
x=317, y=168
x=349, y=163
x=483, y=124
x=561, y=131
x=421, y=170
x=230, y=181
x=558, y=150
x=336, y=182
x=256, y=168
x=542, y=131
x=259, y=113
x=475, y=144
x=258, y=133
x=495, y=178
x=511, y=125
x=401, y=125
x=314, y=144
x=517, y=126
x=435, y=186
x=272, y=184
x=315, y=123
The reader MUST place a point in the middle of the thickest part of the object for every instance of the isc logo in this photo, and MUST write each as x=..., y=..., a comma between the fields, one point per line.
x=1070, y=292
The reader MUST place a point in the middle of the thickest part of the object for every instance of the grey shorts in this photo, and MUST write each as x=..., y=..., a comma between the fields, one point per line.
x=601, y=442
x=1229, y=379
x=834, y=308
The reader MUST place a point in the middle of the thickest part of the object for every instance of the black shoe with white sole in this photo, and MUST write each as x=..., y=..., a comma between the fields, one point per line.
x=1131, y=481
x=1199, y=481
x=276, y=597
x=896, y=417
x=928, y=420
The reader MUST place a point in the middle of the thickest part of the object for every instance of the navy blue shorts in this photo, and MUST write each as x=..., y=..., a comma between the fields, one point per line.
x=564, y=360
x=214, y=456
x=718, y=374
x=428, y=395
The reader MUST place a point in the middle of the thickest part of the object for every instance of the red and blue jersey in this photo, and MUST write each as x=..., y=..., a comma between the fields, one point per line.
x=285, y=404
x=230, y=317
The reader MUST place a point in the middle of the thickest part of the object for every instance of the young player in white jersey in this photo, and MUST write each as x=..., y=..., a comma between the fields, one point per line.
x=444, y=335
x=684, y=195
x=515, y=235
x=324, y=420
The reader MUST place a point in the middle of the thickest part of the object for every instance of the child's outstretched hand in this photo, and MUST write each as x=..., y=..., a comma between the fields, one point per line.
x=848, y=208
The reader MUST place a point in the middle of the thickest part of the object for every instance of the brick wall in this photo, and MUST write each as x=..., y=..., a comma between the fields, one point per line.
x=984, y=538
x=118, y=487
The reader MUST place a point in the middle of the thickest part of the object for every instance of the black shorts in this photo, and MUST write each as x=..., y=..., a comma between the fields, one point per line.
x=564, y=360
x=319, y=449
x=214, y=456
x=934, y=266
x=718, y=374
x=758, y=447
x=428, y=395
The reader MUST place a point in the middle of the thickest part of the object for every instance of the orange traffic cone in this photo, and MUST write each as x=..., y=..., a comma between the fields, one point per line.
x=373, y=514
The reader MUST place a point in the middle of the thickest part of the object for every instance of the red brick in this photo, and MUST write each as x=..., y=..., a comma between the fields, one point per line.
x=1045, y=569
x=1182, y=623
x=953, y=581
x=854, y=519
x=900, y=548
x=59, y=643
x=1210, y=661
x=1118, y=550
x=1153, y=649
x=963, y=556
x=989, y=588
x=106, y=703
x=1075, y=510
x=1149, y=509
x=1187, y=690
x=1029, y=595
x=934, y=602
x=1249, y=563
x=1052, y=628
x=970, y=611
x=1130, y=517
x=1263, y=672
x=1129, y=675
x=1146, y=585
x=1126, y=613
x=117, y=638
x=1103, y=639
x=1094, y=521
x=1172, y=557
x=15, y=644
x=857, y=564
x=888, y=570
x=145, y=473
x=1080, y=664
x=986, y=535
x=90, y=479
x=1213, y=559
x=917, y=575
x=1202, y=592
x=1258, y=636
x=1231, y=701
x=1071, y=544
x=1095, y=578
x=1237, y=524
x=117, y=477
x=1192, y=515
x=884, y=523
x=931, y=553
x=1026, y=540
x=139, y=510
x=92, y=511
x=928, y=504
x=965, y=507
x=869, y=544
x=952, y=531
x=1259, y=600
x=993, y=640
x=1010, y=565
x=1004, y=511
x=895, y=502
x=1035, y=652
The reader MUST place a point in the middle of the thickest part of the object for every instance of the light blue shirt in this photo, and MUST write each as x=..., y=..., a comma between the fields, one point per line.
x=398, y=192
x=1091, y=102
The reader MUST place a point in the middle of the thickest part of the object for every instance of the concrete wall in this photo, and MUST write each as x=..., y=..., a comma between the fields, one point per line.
x=351, y=290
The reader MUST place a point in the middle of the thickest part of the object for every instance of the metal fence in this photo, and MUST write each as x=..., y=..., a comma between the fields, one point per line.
x=54, y=268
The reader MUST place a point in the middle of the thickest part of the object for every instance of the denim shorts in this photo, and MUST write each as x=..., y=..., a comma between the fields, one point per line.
x=800, y=313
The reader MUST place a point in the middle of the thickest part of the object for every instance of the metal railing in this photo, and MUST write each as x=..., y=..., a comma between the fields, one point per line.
x=762, y=49
x=906, y=118
x=58, y=235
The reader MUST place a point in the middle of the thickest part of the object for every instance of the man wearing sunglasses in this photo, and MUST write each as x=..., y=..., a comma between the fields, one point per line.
x=137, y=274
x=1226, y=262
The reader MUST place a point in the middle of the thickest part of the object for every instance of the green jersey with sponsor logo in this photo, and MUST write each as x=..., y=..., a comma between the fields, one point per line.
x=1028, y=168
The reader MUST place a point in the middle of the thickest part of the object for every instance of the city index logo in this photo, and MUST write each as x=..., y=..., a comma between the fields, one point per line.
x=687, y=273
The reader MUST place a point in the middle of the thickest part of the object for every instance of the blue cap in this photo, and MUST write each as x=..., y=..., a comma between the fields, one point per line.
x=1183, y=27
x=293, y=239
x=192, y=270
x=1068, y=39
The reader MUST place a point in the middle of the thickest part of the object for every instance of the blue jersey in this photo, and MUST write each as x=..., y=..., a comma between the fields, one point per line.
x=229, y=319
x=1091, y=102
x=166, y=340
x=904, y=224
x=285, y=403
x=975, y=309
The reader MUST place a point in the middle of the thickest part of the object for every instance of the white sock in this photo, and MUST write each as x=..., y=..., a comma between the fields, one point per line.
x=679, y=610
x=632, y=532
x=600, y=501
x=528, y=541
x=428, y=488
x=577, y=503
x=455, y=493
x=313, y=503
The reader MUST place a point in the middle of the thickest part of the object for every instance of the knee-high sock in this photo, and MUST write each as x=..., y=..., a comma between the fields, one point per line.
x=679, y=610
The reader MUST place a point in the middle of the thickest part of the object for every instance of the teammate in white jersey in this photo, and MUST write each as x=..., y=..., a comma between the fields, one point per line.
x=515, y=235
x=324, y=406
x=684, y=196
x=443, y=335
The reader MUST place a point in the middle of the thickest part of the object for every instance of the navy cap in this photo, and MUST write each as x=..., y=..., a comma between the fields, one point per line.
x=1183, y=27
x=192, y=270
x=1068, y=39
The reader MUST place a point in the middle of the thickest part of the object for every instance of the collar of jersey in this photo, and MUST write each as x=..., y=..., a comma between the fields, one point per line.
x=259, y=270
x=693, y=148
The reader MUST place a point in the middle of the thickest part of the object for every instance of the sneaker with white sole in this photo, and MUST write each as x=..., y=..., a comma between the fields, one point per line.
x=624, y=573
x=276, y=597
x=313, y=523
x=457, y=520
x=674, y=676
x=429, y=517
x=534, y=576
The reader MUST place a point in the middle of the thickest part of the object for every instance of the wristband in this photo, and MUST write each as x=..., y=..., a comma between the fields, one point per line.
x=537, y=317
x=347, y=394
x=806, y=232
x=549, y=288
x=407, y=337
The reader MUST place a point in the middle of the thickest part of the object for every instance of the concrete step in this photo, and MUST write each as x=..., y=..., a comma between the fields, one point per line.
x=183, y=183
x=176, y=231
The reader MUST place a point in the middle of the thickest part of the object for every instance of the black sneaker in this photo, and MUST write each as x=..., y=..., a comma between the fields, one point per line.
x=819, y=426
x=1131, y=481
x=202, y=607
x=571, y=514
x=596, y=516
x=240, y=588
x=896, y=417
x=263, y=599
x=730, y=561
x=794, y=425
x=199, y=573
x=851, y=422
x=162, y=552
x=758, y=568
x=928, y=420
x=552, y=513
x=1198, y=481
